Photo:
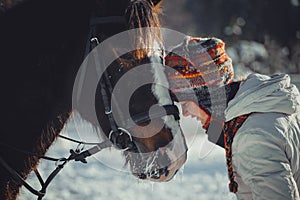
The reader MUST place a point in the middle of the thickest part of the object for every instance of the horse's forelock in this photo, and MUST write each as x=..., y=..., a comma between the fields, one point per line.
x=143, y=14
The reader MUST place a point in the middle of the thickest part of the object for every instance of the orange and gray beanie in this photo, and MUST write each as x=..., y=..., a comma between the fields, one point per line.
x=200, y=71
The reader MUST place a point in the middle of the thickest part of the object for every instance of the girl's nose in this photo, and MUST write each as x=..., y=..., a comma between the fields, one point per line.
x=185, y=113
x=184, y=109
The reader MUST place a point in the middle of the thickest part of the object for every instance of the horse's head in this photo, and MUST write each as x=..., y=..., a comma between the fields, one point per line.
x=133, y=105
x=146, y=120
x=159, y=148
x=146, y=117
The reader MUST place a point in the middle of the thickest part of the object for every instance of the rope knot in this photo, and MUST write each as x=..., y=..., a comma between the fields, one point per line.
x=77, y=156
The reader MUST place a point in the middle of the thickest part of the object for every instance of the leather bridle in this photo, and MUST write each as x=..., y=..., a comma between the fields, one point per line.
x=106, y=90
x=114, y=136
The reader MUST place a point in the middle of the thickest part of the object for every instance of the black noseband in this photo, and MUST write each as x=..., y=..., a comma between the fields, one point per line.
x=158, y=113
x=122, y=138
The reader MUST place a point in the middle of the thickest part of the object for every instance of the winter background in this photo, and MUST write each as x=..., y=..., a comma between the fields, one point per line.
x=203, y=177
x=261, y=36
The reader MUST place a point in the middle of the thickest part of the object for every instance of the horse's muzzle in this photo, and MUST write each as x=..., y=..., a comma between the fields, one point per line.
x=163, y=167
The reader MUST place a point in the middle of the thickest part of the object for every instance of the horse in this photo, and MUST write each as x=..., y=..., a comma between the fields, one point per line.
x=42, y=46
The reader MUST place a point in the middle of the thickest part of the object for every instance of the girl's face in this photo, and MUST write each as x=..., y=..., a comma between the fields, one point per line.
x=190, y=108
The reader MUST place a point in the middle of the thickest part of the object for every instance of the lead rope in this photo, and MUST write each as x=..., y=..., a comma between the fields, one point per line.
x=77, y=155
x=230, y=129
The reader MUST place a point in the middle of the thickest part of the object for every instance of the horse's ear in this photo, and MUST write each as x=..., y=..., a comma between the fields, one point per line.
x=156, y=2
x=157, y=7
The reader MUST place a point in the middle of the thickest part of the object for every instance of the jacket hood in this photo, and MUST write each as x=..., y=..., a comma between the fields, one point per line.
x=260, y=93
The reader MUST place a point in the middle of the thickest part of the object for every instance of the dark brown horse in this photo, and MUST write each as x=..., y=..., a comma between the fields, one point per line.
x=42, y=45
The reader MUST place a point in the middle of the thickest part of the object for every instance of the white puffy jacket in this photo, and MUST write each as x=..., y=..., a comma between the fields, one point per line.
x=266, y=149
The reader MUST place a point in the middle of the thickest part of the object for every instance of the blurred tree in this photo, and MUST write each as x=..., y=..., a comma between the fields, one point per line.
x=272, y=25
x=250, y=20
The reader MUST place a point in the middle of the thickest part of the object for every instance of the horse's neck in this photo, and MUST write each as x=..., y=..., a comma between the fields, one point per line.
x=42, y=45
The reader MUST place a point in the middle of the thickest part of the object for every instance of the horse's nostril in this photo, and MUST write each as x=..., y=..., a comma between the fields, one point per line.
x=167, y=172
x=142, y=176
x=164, y=171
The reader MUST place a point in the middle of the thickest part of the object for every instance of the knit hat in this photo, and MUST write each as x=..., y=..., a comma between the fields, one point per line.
x=200, y=68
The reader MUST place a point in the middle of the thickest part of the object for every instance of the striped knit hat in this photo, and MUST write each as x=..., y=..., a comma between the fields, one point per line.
x=200, y=68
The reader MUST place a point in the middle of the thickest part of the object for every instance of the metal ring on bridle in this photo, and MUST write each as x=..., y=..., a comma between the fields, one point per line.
x=95, y=39
x=122, y=130
x=108, y=112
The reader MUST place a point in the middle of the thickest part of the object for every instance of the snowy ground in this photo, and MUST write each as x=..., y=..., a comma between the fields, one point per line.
x=204, y=175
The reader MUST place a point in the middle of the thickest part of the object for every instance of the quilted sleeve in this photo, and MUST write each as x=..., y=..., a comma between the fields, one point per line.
x=263, y=166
